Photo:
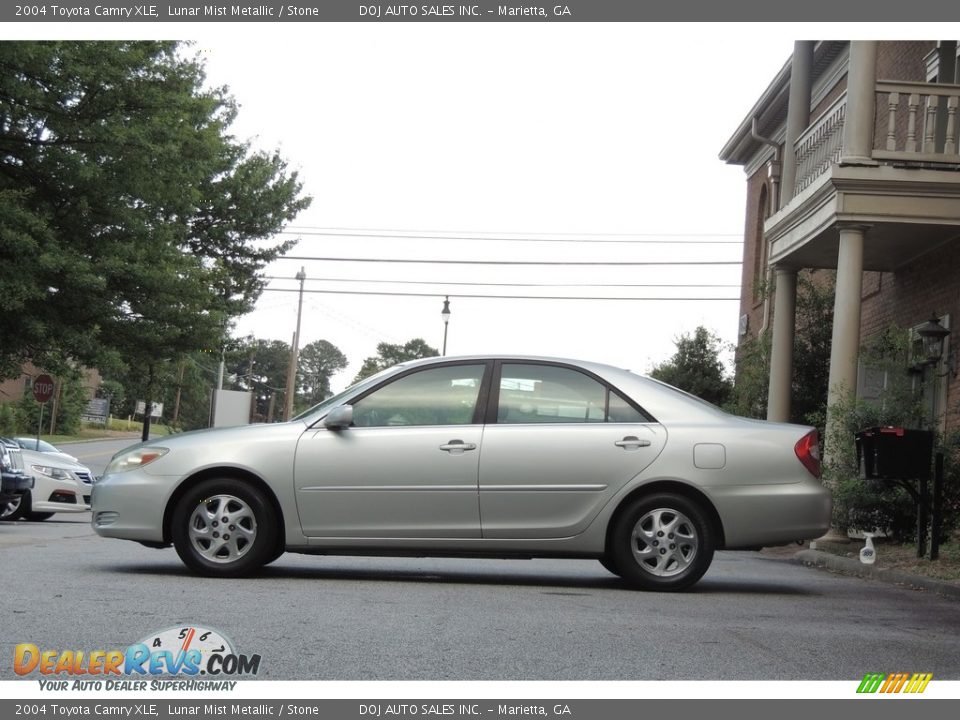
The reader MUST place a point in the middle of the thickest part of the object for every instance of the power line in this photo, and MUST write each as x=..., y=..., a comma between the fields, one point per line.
x=495, y=297
x=449, y=233
x=507, y=284
x=640, y=239
x=511, y=262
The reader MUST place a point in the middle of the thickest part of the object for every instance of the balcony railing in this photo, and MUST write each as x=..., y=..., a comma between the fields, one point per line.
x=914, y=123
x=819, y=147
x=918, y=122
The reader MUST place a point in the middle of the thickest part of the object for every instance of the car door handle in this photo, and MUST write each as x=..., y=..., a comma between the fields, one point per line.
x=455, y=447
x=632, y=443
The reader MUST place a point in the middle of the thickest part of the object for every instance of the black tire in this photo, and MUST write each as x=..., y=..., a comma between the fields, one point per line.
x=607, y=562
x=38, y=517
x=662, y=542
x=275, y=555
x=16, y=509
x=239, y=547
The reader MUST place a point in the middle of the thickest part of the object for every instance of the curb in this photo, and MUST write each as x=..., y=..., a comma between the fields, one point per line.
x=851, y=566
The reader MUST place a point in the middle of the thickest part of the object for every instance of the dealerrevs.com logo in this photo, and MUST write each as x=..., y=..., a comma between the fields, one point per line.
x=187, y=651
x=888, y=683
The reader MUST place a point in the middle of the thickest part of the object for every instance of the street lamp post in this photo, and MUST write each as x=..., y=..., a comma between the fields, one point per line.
x=445, y=314
x=292, y=371
x=933, y=335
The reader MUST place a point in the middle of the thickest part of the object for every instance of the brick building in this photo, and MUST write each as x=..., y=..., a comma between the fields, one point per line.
x=852, y=165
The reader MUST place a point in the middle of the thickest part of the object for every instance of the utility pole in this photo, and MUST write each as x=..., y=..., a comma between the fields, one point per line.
x=292, y=371
x=445, y=314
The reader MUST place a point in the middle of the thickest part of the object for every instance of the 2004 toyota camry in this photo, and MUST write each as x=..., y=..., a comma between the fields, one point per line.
x=478, y=456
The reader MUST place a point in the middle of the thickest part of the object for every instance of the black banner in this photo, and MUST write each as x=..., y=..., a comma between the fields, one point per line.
x=229, y=709
x=482, y=11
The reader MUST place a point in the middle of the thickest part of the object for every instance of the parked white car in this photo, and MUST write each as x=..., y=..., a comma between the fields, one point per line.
x=58, y=486
x=28, y=443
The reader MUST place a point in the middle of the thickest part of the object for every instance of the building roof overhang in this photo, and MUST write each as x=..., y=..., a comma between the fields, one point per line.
x=770, y=111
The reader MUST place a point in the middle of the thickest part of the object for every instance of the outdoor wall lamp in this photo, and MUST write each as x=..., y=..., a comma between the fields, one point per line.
x=932, y=335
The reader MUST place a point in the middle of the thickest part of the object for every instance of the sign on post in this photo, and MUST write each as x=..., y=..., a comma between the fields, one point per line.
x=42, y=392
x=43, y=388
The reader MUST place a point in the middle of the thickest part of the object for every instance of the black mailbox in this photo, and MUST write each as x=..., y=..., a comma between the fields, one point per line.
x=894, y=453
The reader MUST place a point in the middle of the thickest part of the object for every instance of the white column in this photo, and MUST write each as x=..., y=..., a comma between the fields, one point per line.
x=781, y=352
x=798, y=112
x=845, y=346
x=861, y=100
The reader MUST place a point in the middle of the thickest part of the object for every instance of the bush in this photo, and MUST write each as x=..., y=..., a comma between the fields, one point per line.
x=884, y=506
x=8, y=421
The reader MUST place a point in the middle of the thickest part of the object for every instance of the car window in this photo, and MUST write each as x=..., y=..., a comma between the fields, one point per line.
x=435, y=396
x=553, y=394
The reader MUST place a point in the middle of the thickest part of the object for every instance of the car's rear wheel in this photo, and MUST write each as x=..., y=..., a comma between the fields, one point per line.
x=224, y=528
x=662, y=542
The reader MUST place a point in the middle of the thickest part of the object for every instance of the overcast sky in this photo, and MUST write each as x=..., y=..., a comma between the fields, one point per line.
x=577, y=132
x=585, y=132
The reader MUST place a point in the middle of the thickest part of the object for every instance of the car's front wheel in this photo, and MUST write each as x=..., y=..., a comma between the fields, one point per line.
x=16, y=508
x=662, y=542
x=224, y=528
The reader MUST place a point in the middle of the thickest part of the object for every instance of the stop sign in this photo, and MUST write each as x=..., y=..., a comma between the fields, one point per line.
x=42, y=388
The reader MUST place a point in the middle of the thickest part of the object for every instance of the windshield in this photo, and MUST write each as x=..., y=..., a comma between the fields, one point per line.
x=321, y=409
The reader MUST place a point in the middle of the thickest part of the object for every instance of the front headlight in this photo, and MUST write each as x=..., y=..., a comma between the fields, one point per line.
x=51, y=472
x=133, y=459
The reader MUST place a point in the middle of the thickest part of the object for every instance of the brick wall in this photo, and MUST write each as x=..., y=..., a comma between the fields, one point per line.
x=751, y=302
x=930, y=284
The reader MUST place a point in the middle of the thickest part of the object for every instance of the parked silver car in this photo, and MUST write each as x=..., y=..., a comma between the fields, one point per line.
x=479, y=456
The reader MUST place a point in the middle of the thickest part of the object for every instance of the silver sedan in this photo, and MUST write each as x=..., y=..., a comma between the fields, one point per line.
x=478, y=456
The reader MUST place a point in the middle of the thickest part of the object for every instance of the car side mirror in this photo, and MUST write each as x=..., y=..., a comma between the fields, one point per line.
x=339, y=418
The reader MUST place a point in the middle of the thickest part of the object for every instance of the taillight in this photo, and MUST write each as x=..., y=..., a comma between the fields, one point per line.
x=808, y=452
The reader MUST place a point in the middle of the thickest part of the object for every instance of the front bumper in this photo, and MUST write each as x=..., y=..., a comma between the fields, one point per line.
x=131, y=505
x=12, y=485
x=60, y=496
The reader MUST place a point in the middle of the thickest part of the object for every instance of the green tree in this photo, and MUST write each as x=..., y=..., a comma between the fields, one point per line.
x=69, y=401
x=696, y=367
x=811, y=358
x=133, y=226
x=260, y=366
x=317, y=363
x=389, y=355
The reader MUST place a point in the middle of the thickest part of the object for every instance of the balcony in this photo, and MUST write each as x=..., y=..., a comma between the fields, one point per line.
x=907, y=192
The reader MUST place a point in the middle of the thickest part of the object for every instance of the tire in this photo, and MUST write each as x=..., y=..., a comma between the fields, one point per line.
x=16, y=509
x=662, y=542
x=607, y=562
x=250, y=537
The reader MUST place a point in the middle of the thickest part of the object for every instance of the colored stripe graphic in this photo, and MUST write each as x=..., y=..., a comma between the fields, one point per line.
x=919, y=682
x=895, y=683
x=871, y=682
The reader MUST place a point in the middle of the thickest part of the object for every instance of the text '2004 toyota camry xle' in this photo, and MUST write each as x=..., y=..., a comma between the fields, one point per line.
x=478, y=456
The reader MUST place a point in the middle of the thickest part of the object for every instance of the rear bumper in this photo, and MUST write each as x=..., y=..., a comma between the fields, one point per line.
x=758, y=515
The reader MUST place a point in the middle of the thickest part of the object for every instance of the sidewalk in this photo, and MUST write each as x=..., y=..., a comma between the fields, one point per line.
x=853, y=566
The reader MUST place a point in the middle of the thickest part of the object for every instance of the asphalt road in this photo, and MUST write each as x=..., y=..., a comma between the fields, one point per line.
x=97, y=453
x=751, y=617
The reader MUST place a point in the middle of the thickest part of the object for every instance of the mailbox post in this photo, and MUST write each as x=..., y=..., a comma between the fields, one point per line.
x=902, y=455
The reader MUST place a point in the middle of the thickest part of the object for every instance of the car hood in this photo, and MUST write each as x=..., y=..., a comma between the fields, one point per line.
x=32, y=457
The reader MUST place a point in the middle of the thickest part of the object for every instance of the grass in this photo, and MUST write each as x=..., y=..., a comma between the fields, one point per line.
x=114, y=429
